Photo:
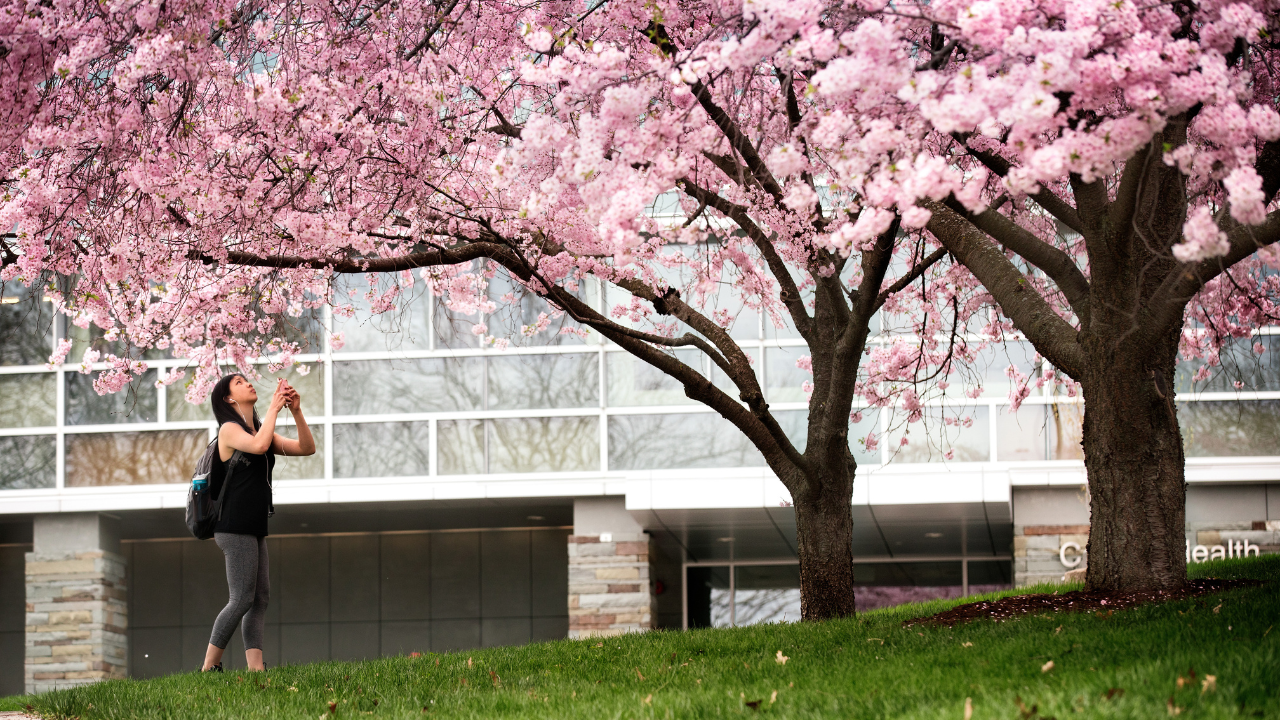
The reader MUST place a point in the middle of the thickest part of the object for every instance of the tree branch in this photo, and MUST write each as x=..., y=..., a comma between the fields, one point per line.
x=1169, y=301
x=657, y=34
x=1045, y=198
x=430, y=258
x=1054, y=262
x=902, y=282
x=1052, y=336
x=789, y=293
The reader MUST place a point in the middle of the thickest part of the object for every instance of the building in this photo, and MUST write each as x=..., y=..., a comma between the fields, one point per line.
x=465, y=496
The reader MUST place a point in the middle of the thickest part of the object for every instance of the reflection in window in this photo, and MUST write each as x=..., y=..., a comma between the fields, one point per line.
x=766, y=594
x=134, y=404
x=26, y=326
x=307, y=330
x=544, y=381
x=633, y=381
x=988, y=368
x=30, y=461
x=510, y=319
x=888, y=584
x=367, y=387
x=1233, y=428
x=1067, y=440
x=300, y=467
x=404, y=328
x=454, y=329
x=960, y=431
x=1024, y=435
x=558, y=444
x=133, y=458
x=310, y=387
x=685, y=440
x=28, y=400
x=381, y=449
x=460, y=448
x=795, y=423
x=785, y=379
x=1238, y=362
x=177, y=409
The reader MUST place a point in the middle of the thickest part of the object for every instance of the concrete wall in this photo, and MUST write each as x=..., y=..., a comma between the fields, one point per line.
x=353, y=596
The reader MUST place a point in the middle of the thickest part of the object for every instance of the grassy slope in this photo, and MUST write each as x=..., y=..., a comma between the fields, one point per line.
x=836, y=669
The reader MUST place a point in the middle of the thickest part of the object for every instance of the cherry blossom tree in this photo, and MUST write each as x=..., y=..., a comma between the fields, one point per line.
x=189, y=175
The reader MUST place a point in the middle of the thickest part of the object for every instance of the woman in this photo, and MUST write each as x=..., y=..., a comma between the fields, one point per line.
x=241, y=531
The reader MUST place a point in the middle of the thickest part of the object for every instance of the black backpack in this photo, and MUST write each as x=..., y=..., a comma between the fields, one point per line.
x=203, y=509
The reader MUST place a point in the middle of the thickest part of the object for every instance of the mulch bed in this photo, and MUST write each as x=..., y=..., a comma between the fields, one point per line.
x=1075, y=601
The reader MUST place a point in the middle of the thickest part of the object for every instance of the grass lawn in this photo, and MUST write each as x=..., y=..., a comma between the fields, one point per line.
x=1127, y=665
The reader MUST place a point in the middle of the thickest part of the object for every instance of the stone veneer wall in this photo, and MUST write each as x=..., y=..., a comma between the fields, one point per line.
x=1035, y=547
x=1265, y=534
x=76, y=618
x=609, y=588
x=1035, y=552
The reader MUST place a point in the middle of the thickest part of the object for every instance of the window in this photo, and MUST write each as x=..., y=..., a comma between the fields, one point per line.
x=30, y=461
x=28, y=400
x=369, y=387
x=381, y=449
x=133, y=458
x=544, y=381
x=134, y=404
x=686, y=440
x=1236, y=428
x=963, y=432
x=26, y=325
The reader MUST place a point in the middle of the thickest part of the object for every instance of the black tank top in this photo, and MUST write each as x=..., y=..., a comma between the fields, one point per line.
x=248, y=497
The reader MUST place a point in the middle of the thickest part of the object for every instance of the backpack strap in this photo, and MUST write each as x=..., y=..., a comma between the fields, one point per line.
x=226, y=478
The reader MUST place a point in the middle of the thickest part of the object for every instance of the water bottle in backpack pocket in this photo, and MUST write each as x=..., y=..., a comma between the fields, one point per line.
x=203, y=508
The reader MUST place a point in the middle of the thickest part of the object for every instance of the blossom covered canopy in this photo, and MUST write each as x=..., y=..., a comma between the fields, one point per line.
x=194, y=170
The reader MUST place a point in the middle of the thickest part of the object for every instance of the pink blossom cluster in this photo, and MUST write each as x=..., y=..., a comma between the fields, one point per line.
x=162, y=160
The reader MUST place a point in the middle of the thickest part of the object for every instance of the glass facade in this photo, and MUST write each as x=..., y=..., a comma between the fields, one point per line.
x=739, y=594
x=416, y=393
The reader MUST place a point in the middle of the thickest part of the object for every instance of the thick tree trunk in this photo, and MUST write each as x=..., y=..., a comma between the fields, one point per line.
x=1134, y=457
x=824, y=531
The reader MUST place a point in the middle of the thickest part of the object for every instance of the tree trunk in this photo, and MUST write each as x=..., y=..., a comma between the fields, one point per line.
x=1134, y=457
x=824, y=531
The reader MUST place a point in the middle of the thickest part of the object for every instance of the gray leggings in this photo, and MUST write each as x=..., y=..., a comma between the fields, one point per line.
x=249, y=587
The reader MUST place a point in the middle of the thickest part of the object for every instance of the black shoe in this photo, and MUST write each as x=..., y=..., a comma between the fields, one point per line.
x=215, y=668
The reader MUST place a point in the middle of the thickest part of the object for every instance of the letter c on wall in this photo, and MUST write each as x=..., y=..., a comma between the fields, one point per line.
x=1062, y=555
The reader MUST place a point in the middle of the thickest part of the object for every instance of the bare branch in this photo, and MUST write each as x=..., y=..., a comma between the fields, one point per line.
x=1052, y=336
x=1045, y=198
x=901, y=283
x=789, y=293
x=1055, y=263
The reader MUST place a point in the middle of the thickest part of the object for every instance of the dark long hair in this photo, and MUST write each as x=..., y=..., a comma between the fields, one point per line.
x=223, y=411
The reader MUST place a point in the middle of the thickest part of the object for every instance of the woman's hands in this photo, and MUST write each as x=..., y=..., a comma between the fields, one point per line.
x=305, y=444
x=280, y=398
x=293, y=400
